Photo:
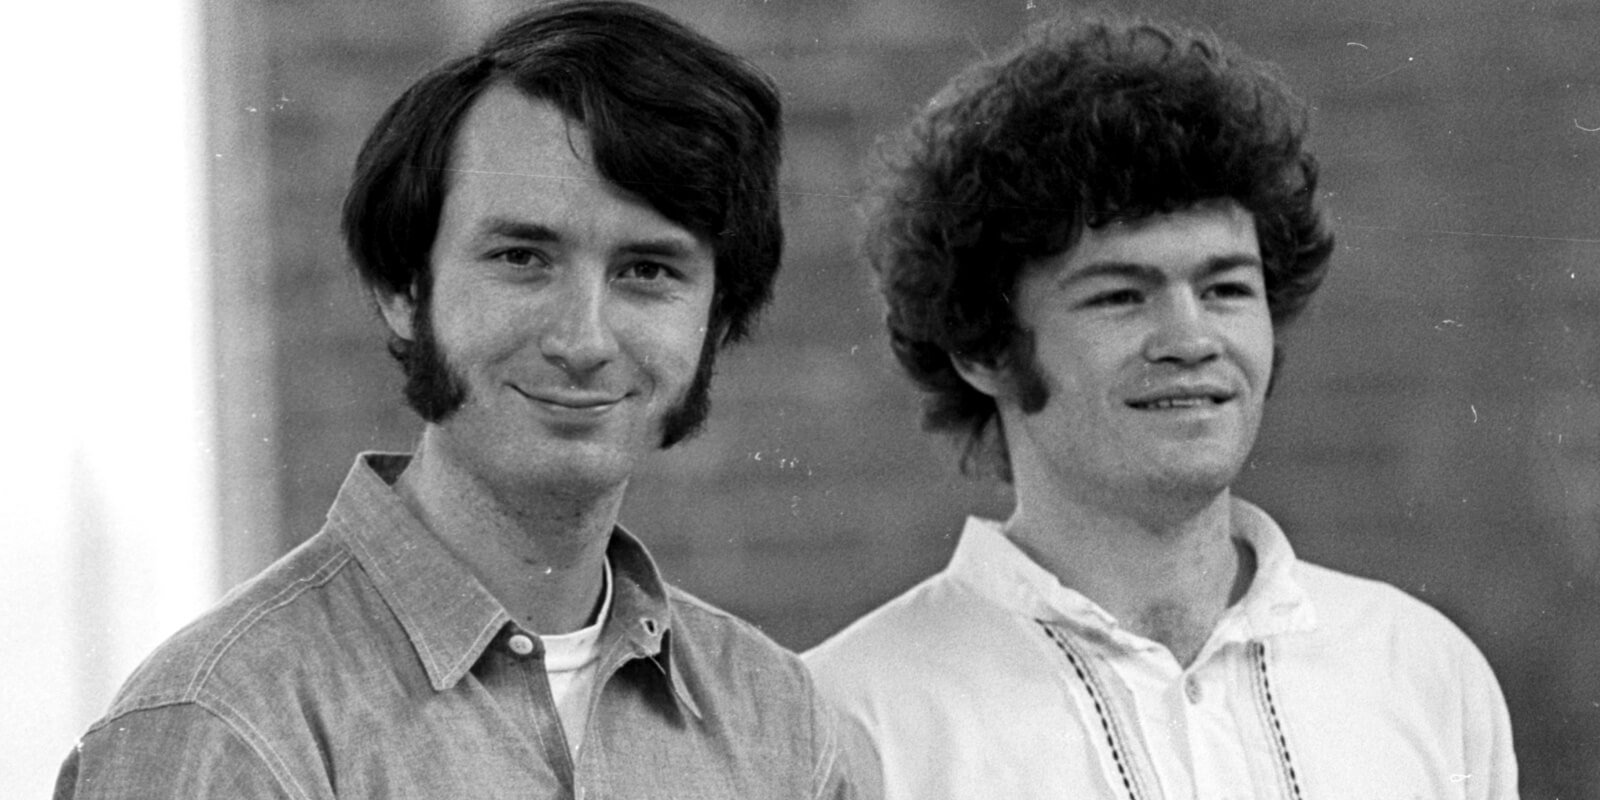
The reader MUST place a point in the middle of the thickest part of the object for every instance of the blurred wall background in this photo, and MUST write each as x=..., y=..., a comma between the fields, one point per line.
x=1438, y=427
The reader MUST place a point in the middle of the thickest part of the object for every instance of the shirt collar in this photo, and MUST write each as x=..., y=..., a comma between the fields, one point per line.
x=1275, y=602
x=641, y=615
x=448, y=615
x=992, y=565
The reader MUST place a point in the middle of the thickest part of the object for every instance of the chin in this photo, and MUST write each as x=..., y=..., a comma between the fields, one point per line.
x=591, y=471
x=1195, y=480
x=569, y=469
x=1189, y=488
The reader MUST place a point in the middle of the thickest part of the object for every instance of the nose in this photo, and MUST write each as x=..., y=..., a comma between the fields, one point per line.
x=577, y=337
x=1183, y=332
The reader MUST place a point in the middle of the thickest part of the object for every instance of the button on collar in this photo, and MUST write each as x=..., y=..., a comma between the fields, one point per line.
x=520, y=643
x=1191, y=689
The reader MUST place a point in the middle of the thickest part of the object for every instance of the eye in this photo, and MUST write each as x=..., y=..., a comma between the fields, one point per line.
x=521, y=257
x=647, y=271
x=1231, y=290
x=1114, y=297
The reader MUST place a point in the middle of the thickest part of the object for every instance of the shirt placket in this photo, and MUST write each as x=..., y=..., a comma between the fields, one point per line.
x=525, y=654
x=1193, y=734
x=1158, y=693
x=1232, y=753
x=619, y=645
x=1106, y=703
x=1220, y=757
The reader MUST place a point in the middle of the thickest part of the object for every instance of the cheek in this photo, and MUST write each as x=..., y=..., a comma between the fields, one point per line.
x=1257, y=345
x=1089, y=358
x=473, y=333
x=668, y=346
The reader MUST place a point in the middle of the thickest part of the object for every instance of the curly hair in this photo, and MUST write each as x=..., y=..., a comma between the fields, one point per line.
x=1085, y=122
x=691, y=129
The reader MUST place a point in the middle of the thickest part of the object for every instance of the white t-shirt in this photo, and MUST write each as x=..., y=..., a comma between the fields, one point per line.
x=571, y=660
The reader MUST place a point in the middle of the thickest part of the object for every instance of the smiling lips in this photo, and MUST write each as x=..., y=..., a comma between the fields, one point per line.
x=591, y=402
x=1184, y=397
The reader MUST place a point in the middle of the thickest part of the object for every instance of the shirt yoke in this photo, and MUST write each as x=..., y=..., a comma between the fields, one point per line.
x=1371, y=613
x=712, y=636
x=258, y=629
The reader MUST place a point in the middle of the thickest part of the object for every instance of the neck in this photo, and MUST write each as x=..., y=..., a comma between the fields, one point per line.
x=1167, y=577
x=539, y=552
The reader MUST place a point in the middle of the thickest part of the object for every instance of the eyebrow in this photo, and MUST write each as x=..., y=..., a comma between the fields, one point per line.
x=513, y=229
x=660, y=247
x=1149, y=273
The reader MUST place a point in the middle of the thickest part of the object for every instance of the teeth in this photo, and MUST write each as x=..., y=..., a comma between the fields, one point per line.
x=1179, y=402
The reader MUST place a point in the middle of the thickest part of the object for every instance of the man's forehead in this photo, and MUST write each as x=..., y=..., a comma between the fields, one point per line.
x=523, y=169
x=1194, y=236
x=507, y=133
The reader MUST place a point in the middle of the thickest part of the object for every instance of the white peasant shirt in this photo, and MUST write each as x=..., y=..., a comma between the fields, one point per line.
x=992, y=680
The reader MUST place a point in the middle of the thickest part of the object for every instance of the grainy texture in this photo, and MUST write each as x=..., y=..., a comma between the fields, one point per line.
x=1438, y=426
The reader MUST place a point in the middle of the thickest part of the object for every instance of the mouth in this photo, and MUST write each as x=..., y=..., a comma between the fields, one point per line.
x=591, y=402
x=1183, y=399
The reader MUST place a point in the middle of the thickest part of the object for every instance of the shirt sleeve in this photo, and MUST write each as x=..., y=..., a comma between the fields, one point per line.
x=848, y=766
x=1489, y=760
x=172, y=751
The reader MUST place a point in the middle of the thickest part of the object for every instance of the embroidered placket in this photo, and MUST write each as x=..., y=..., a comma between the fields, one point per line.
x=1116, y=740
x=1267, y=704
x=1120, y=754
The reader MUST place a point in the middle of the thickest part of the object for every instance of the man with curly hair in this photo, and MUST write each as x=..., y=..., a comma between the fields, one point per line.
x=1087, y=246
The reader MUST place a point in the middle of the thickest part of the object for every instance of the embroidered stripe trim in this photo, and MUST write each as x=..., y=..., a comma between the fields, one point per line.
x=1269, y=708
x=1113, y=741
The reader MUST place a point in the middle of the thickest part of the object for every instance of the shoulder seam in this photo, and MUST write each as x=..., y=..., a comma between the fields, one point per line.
x=753, y=636
x=321, y=575
x=680, y=597
x=232, y=720
x=257, y=743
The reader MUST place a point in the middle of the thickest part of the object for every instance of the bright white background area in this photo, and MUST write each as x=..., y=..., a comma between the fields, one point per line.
x=106, y=480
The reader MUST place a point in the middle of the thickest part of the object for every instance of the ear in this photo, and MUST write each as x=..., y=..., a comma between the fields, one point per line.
x=398, y=309
x=986, y=378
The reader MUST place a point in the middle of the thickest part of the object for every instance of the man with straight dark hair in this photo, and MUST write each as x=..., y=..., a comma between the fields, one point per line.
x=1088, y=245
x=560, y=230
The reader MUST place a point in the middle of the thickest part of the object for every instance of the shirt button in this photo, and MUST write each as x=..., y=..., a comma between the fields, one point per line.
x=1191, y=689
x=520, y=644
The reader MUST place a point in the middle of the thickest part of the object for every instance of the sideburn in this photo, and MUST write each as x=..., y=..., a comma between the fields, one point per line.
x=1024, y=373
x=688, y=416
x=432, y=389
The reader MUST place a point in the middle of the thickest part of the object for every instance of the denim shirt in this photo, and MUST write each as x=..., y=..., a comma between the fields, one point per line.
x=369, y=663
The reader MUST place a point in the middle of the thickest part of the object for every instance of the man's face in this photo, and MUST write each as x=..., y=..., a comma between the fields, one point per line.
x=1154, y=343
x=569, y=316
